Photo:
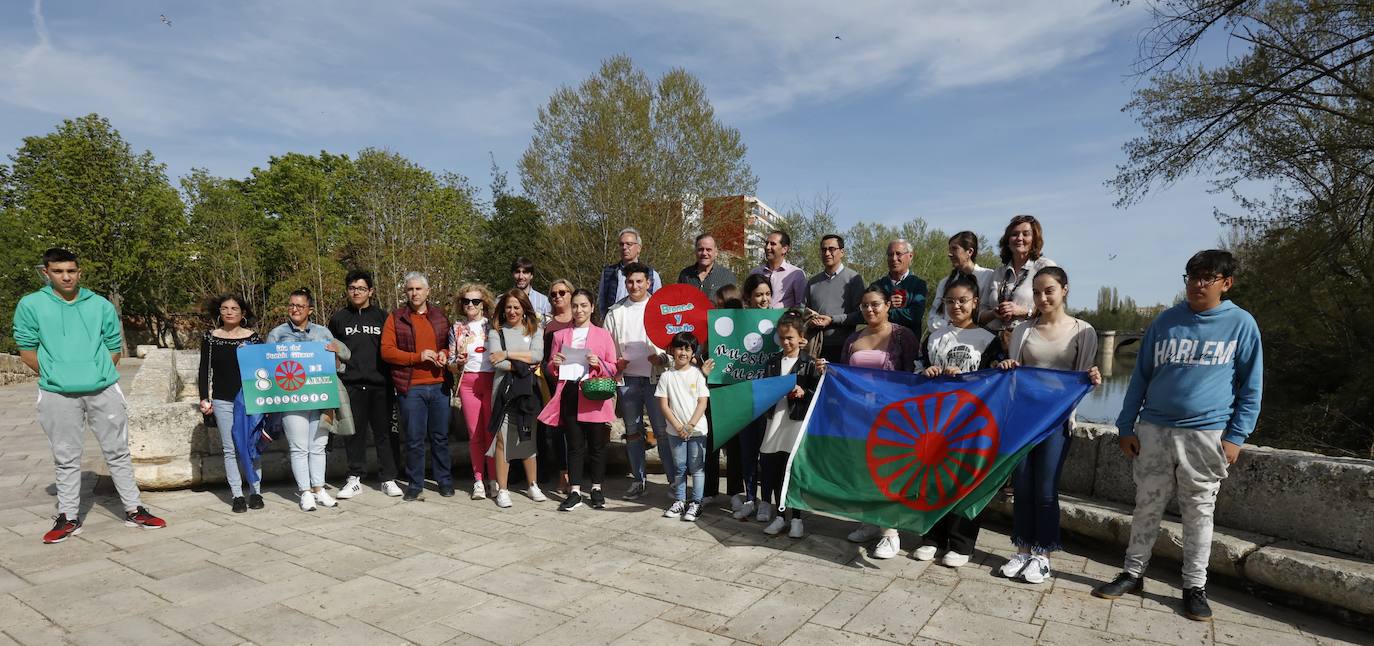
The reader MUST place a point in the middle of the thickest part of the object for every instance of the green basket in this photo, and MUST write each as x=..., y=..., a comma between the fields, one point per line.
x=598, y=388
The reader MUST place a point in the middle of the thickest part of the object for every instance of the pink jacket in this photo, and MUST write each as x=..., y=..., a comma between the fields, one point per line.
x=600, y=343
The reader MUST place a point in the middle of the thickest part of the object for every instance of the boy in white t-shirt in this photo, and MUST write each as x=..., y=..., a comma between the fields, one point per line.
x=682, y=395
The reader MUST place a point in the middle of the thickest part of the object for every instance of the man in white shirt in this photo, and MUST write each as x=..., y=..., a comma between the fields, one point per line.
x=638, y=366
x=522, y=272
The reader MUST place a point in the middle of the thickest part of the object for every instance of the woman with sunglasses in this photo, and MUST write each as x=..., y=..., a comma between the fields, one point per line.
x=304, y=437
x=470, y=359
x=587, y=422
x=553, y=445
x=219, y=383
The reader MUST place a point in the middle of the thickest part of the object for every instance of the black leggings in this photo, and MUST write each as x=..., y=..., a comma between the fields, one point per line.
x=774, y=471
x=586, y=441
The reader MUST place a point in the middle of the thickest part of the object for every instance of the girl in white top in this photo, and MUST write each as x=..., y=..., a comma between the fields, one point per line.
x=470, y=357
x=682, y=396
x=1007, y=299
x=784, y=422
x=1052, y=339
x=963, y=251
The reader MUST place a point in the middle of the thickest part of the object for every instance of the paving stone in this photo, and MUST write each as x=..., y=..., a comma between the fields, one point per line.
x=1074, y=608
x=609, y=620
x=657, y=631
x=1059, y=634
x=293, y=582
x=163, y=559
x=898, y=613
x=83, y=612
x=432, y=634
x=351, y=631
x=694, y=618
x=207, y=582
x=1225, y=632
x=795, y=568
x=132, y=630
x=417, y=569
x=685, y=588
x=426, y=604
x=993, y=600
x=15, y=613
x=341, y=599
x=1163, y=627
x=207, y=634
x=540, y=589
x=771, y=619
x=502, y=621
x=817, y=635
x=842, y=608
x=956, y=625
x=275, y=624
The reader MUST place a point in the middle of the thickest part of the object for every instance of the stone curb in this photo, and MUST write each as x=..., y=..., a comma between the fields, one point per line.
x=1326, y=577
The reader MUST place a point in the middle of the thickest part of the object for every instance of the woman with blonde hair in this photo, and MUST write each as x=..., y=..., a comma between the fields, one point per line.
x=470, y=361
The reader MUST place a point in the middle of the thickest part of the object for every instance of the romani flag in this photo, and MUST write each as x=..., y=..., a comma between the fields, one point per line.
x=733, y=407
x=896, y=449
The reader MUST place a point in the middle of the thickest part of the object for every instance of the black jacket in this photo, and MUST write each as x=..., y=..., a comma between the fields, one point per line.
x=361, y=331
x=807, y=377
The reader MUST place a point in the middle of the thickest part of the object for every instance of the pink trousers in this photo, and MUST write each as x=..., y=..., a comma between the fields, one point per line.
x=475, y=392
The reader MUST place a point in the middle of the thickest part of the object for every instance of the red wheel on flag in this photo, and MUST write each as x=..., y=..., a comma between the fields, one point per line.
x=290, y=375
x=926, y=452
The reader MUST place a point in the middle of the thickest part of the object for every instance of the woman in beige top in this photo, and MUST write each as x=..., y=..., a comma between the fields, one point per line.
x=1052, y=339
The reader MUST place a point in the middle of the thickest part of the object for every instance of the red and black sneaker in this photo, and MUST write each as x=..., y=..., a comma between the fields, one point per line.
x=141, y=518
x=62, y=529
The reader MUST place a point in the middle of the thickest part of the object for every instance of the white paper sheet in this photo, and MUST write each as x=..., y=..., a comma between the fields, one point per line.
x=574, y=364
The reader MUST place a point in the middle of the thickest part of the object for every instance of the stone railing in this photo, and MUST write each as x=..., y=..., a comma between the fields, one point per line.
x=13, y=371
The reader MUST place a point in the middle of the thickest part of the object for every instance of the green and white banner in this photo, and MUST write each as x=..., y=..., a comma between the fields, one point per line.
x=279, y=377
x=741, y=343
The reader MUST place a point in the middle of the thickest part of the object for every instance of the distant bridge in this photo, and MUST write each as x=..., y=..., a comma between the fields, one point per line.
x=1109, y=341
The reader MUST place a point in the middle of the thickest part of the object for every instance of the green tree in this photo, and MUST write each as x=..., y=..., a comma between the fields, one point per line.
x=225, y=235
x=621, y=150
x=1292, y=108
x=83, y=187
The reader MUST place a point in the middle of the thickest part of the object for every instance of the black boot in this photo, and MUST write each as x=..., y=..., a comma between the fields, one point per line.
x=1123, y=583
x=1195, y=604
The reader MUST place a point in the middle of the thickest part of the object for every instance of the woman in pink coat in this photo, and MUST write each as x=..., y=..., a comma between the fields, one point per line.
x=587, y=423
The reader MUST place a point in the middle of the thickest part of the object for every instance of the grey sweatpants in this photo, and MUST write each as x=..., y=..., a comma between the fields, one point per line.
x=1191, y=460
x=64, y=417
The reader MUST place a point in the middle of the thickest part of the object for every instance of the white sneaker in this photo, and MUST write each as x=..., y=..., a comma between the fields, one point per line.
x=479, y=492
x=536, y=494
x=774, y=528
x=390, y=488
x=924, y=553
x=351, y=488
x=503, y=498
x=676, y=510
x=324, y=499
x=736, y=502
x=954, y=559
x=1012, y=568
x=864, y=533
x=887, y=547
x=1037, y=570
x=765, y=513
x=745, y=511
x=307, y=501
x=797, y=530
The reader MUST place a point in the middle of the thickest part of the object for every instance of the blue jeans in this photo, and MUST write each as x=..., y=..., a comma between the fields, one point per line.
x=750, y=442
x=425, y=411
x=224, y=420
x=689, y=458
x=1035, y=508
x=306, y=441
x=636, y=396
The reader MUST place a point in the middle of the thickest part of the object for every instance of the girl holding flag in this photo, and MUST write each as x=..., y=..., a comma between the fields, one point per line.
x=1052, y=339
x=784, y=422
x=956, y=347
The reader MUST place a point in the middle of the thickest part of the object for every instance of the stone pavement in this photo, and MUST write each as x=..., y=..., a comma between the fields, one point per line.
x=456, y=571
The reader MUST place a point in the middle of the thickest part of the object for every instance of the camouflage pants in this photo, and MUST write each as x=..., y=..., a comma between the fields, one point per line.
x=1192, y=461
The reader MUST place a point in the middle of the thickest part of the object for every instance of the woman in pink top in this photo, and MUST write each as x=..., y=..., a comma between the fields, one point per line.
x=587, y=423
x=882, y=346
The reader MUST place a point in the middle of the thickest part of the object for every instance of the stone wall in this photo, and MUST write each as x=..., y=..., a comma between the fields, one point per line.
x=1298, y=496
x=13, y=371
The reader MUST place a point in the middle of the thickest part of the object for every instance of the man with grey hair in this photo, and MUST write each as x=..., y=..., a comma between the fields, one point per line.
x=414, y=344
x=612, y=286
x=906, y=292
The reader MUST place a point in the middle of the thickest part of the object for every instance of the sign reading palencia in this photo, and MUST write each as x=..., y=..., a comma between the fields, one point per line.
x=279, y=377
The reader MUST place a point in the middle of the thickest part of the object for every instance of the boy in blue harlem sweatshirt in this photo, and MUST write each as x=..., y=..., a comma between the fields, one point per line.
x=1193, y=399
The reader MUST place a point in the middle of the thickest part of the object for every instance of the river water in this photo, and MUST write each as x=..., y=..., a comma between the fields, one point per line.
x=1103, y=404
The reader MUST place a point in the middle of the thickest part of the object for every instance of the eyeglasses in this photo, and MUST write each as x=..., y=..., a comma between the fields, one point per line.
x=1202, y=281
x=872, y=305
x=831, y=249
x=471, y=301
x=297, y=306
x=355, y=289
x=958, y=301
x=629, y=244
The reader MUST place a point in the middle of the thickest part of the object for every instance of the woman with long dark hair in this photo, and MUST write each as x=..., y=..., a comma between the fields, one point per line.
x=220, y=384
x=516, y=346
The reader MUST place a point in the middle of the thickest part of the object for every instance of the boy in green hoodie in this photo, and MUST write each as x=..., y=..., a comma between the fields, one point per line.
x=70, y=336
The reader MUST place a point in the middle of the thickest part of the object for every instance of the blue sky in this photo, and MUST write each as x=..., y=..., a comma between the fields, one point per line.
x=961, y=113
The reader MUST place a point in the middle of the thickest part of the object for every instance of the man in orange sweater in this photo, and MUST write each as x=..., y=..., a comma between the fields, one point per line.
x=414, y=345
